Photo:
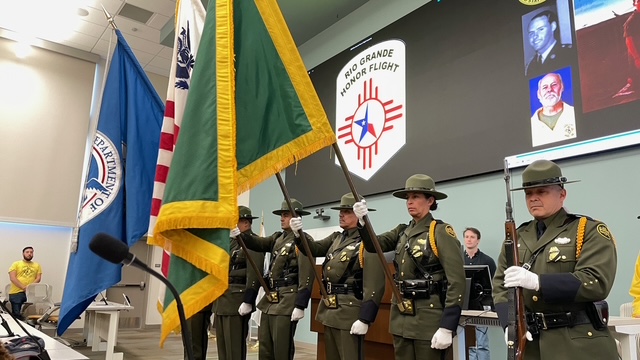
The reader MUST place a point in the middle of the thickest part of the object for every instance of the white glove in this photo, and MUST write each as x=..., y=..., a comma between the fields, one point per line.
x=441, y=339
x=359, y=328
x=361, y=210
x=516, y=276
x=297, y=314
x=245, y=308
x=234, y=232
x=506, y=336
x=295, y=224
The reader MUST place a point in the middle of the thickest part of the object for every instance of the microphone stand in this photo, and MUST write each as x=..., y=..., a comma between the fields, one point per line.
x=44, y=355
x=186, y=333
x=5, y=325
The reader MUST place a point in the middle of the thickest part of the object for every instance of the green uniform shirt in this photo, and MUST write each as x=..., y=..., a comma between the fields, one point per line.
x=430, y=314
x=568, y=282
x=239, y=268
x=341, y=266
x=285, y=261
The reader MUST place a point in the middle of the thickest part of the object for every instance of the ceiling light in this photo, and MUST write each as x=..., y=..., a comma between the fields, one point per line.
x=22, y=49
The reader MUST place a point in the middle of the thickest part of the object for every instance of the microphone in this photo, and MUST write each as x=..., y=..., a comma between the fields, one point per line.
x=21, y=341
x=5, y=325
x=117, y=252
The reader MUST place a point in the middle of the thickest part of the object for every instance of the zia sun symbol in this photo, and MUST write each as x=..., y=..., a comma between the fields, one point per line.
x=371, y=119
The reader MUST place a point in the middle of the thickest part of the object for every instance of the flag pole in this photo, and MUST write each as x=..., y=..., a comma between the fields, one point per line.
x=323, y=291
x=253, y=264
x=73, y=248
x=109, y=18
x=367, y=224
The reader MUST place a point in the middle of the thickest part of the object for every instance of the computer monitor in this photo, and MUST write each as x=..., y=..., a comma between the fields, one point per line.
x=479, y=287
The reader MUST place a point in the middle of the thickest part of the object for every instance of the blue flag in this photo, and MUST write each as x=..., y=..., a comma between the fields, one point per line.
x=118, y=192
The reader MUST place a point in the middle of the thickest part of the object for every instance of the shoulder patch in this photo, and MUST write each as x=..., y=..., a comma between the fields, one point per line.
x=604, y=231
x=450, y=230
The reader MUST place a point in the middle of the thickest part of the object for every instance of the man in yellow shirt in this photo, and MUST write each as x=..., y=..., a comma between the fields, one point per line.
x=635, y=289
x=22, y=273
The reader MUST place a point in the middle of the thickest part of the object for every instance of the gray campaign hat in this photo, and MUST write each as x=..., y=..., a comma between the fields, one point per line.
x=420, y=183
x=346, y=203
x=297, y=206
x=542, y=173
x=245, y=213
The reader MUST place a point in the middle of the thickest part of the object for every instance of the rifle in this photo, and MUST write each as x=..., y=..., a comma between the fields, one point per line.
x=517, y=322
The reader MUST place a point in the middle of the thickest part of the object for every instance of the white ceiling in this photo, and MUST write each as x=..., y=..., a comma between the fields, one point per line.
x=91, y=33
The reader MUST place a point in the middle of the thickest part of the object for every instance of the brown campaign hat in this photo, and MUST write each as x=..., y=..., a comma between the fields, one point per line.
x=420, y=183
x=346, y=203
x=297, y=206
x=245, y=213
x=542, y=173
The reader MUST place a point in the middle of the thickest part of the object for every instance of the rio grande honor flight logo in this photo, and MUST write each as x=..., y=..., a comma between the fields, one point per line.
x=104, y=178
x=370, y=107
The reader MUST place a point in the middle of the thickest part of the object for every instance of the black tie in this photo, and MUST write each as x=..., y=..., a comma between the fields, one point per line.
x=344, y=235
x=539, y=59
x=541, y=227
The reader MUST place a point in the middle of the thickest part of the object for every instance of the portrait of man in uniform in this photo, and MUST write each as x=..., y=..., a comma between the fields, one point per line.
x=545, y=50
x=553, y=116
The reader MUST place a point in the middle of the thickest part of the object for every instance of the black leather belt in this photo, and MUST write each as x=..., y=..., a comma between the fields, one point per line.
x=418, y=288
x=237, y=280
x=341, y=289
x=238, y=266
x=541, y=321
x=278, y=283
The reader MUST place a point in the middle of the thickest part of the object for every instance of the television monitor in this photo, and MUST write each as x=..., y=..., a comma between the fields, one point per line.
x=479, y=287
x=426, y=92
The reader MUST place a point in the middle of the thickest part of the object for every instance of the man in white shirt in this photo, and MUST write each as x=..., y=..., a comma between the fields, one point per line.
x=555, y=120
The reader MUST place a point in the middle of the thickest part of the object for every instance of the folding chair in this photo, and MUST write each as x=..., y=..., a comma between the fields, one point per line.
x=39, y=297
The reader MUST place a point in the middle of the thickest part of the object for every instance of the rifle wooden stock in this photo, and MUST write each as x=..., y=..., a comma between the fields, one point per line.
x=517, y=326
x=517, y=320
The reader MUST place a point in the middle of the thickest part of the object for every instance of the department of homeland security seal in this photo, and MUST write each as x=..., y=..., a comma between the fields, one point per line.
x=104, y=179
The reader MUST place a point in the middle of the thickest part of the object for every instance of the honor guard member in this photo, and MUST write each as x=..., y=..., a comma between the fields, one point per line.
x=567, y=265
x=233, y=309
x=429, y=273
x=290, y=279
x=342, y=275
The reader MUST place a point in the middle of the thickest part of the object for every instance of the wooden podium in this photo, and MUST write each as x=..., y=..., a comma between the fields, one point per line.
x=378, y=343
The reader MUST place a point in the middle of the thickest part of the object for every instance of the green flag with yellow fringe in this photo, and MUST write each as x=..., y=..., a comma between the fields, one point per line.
x=251, y=112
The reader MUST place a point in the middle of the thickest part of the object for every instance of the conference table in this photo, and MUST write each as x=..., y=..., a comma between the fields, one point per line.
x=55, y=349
x=101, y=327
x=624, y=329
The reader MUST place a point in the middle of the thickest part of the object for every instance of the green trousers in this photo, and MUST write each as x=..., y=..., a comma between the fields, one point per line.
x=410, y=349
x=231, y=336
x=276, y=337
x=199, y=326
x=340, y=344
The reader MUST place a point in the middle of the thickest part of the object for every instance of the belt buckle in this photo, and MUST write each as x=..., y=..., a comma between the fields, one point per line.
x=544, y=320
x=329, y=287
x=331, y=302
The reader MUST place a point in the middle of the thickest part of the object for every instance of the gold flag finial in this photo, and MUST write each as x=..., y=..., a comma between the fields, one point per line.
x=109, y=18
